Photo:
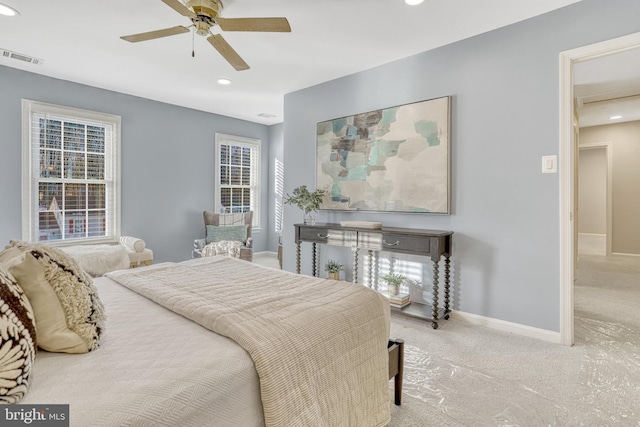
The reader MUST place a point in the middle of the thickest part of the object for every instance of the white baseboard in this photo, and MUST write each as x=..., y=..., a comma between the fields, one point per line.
x=265, y=253
x=624, y=254
x=502, y=325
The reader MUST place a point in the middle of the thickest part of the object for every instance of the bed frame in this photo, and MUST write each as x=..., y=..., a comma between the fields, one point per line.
x=396, y=367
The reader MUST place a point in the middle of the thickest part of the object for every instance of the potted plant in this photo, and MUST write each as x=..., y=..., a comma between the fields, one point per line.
x=333, y=268
x=305, y=200
x=393, y=281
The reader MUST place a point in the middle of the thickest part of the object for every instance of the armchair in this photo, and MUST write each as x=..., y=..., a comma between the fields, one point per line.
x=225, y=234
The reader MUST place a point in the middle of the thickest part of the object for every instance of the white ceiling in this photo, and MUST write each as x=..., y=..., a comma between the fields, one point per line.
x=79, y=41
x=608, y=86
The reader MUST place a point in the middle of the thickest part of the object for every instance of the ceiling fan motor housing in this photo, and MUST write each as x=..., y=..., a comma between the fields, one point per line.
x=208, y=8
x=206, y=11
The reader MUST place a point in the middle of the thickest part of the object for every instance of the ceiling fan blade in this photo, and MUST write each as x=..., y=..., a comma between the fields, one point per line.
x=180, y=8
x=221, y=45
x=134, y=38
x=254, y=24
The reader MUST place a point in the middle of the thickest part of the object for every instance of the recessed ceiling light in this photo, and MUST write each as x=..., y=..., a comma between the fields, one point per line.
x=224, y=81
x=615, y=117
x=413, y=2
x=7, y=10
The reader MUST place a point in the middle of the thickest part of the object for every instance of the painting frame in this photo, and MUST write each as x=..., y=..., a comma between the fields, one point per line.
x=394, y=159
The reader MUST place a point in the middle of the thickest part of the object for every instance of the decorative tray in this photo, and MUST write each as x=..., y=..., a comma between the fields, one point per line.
x=362, y=224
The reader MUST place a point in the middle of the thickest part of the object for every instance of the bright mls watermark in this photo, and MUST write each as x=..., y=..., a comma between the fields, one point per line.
x=35, y=415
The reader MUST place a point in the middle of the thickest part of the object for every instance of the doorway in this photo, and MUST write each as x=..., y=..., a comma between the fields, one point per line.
x=568, y=167
x=595, y=207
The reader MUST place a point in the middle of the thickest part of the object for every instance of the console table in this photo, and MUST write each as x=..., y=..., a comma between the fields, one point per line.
x=431, y=243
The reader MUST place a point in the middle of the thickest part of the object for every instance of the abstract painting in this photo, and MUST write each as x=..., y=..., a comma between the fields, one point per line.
x=391, y=160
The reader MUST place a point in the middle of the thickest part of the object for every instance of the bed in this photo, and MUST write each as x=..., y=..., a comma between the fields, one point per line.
x=159, y=364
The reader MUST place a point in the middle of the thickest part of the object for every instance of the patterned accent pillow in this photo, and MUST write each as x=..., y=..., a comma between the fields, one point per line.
x=223, y=247
x=17, y=340
x=69, y=314
x=236, y=233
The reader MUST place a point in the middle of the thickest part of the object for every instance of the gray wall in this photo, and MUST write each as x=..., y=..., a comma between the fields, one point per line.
x=505, y=116
x=167, y=160
x=625, y=147
x=592, y=191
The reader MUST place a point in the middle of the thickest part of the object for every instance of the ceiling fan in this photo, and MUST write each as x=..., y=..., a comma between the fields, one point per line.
x=204, y=14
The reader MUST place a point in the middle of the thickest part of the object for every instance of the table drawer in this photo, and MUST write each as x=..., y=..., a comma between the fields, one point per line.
x=404, y=243
x=313, y=234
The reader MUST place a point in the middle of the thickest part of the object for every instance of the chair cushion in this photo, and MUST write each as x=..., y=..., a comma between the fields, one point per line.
x=17, y=339
x=223, y=247
x=69, y=315
x=232, y=232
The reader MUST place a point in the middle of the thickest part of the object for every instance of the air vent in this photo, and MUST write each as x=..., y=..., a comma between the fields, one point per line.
x=21, y=57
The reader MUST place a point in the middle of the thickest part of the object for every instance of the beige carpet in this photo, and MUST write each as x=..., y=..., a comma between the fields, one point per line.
x=464, y=375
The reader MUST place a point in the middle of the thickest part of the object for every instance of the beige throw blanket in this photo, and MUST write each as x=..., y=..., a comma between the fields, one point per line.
x=319, y=346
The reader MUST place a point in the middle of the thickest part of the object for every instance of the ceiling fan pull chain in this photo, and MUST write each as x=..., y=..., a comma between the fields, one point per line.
x=193, y=43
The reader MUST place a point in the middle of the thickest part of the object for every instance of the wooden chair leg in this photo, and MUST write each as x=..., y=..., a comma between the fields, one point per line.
x=396, y=367
x=398, y=378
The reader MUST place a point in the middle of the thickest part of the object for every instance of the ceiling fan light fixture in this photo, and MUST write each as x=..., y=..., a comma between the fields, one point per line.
x=413, y=2
x=202, y=27
x=224, y=81
x=8, y=10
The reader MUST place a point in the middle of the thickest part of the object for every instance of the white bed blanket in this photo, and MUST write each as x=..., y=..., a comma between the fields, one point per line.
x=319, y=346
x=153, y=368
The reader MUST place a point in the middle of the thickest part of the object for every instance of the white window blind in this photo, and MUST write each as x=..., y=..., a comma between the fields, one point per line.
x=237, y=186
x=279, y=194
x=70, y=174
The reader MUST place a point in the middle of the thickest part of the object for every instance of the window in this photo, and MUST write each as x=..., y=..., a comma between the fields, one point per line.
x=279, y=194
x=237, y=187
x=71, y=175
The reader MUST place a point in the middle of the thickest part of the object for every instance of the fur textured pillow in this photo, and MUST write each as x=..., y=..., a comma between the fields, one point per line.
x=69, y=314
x=17, y=340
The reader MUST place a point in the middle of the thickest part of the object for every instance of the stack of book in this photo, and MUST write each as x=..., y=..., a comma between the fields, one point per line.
x=399, y=301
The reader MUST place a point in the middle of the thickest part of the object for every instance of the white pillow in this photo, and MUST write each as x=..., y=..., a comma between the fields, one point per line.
x=133, y=243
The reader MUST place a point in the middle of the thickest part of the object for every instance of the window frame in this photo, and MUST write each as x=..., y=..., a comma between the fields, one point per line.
x=253, y=144
x=31, y=178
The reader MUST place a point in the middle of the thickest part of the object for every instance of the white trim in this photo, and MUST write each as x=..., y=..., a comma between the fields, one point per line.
x=28, y=203
x=608, y=152
x=502, y=325
x=566, y=164
x=624, y=254
x=263, y=254
x=257, y=196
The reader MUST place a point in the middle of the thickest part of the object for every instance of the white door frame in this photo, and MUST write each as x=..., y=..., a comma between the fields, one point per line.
x=567, y=167
x=608, y=153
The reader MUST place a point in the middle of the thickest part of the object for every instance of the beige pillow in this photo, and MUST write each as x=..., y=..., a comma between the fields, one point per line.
x=68, y=312
x=17, y=340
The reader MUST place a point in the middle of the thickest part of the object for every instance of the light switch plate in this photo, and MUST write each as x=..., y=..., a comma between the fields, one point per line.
x=549, y=164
